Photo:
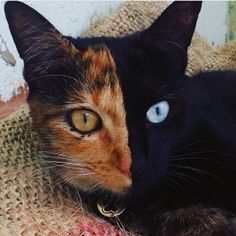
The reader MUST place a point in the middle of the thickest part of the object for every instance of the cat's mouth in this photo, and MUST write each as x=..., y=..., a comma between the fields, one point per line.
x=119, y=183
x=127, y=174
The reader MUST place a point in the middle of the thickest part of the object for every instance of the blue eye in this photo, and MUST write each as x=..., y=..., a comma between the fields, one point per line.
x=158, y=112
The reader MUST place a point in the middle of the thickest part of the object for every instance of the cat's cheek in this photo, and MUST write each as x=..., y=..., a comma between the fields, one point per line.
x=105, y=163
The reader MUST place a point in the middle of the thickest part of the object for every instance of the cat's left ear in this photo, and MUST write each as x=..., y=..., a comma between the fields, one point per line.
x=45, y=51
x=38, y=42
x=171, y=34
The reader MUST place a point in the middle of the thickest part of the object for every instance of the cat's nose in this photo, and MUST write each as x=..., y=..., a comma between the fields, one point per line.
x=122, y=159
x=125, y=167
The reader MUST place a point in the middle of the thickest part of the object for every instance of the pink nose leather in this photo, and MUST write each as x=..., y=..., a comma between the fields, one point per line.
x=125, y=167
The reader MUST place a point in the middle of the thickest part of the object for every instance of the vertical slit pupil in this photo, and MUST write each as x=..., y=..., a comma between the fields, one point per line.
x=158, y=110
x=85, y=117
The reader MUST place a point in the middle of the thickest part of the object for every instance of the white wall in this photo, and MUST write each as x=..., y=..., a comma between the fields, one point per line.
x=212, y=21
x=73, y=17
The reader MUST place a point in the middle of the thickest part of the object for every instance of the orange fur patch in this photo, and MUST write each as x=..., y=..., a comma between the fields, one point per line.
x=99, y=62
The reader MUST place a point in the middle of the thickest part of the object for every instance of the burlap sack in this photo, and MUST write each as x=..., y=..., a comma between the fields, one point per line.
x=31, y=203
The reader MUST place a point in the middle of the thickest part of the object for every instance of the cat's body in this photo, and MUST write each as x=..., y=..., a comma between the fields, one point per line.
x=201, y=172
x=119, y=120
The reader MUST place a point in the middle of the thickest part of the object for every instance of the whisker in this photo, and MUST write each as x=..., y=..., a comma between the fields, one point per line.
x=168, y=182
x=66, y=163
x=198, y=171
x=173, y=181
x=71, y=217
x=120, y=225
x=197, y=158
x=81, y=203
x=192, y=179
x=62, y=181
x=191, y=144
x=190, y=158
x=201, y=152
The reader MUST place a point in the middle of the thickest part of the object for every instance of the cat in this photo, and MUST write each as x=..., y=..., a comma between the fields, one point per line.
x=118, y=118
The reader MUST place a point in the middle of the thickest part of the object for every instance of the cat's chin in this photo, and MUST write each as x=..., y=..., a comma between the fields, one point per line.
x=119, y=184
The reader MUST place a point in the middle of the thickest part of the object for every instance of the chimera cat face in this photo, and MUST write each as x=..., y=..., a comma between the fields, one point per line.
x=89, y=97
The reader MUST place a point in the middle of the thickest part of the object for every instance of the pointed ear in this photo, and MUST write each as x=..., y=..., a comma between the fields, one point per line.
x=25, y=23
x=38, y=42
x=172, y=32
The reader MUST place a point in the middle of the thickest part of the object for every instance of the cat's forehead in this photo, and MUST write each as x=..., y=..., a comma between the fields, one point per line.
x=100, y=56
x=99, y=68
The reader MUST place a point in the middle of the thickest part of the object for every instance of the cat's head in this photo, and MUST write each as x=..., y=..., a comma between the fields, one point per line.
x=89, y=97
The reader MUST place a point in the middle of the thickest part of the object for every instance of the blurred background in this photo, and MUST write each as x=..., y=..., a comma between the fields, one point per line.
x=217, y=22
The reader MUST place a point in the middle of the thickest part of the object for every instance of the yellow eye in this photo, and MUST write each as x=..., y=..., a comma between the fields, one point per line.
x=84, y=120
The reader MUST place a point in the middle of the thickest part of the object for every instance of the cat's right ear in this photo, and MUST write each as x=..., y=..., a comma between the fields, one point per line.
x=170, y=35
x=38, y=42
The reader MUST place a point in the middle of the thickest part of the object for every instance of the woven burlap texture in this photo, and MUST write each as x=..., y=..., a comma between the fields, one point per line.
x=31, y=203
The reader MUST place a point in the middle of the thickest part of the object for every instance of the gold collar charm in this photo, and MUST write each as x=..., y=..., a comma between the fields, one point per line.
x=109, y=213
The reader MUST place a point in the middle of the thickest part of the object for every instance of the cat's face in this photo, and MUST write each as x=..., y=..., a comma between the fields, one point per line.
x=97, y=103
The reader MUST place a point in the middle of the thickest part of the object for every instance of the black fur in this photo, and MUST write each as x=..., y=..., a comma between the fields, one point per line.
x=184, y=169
